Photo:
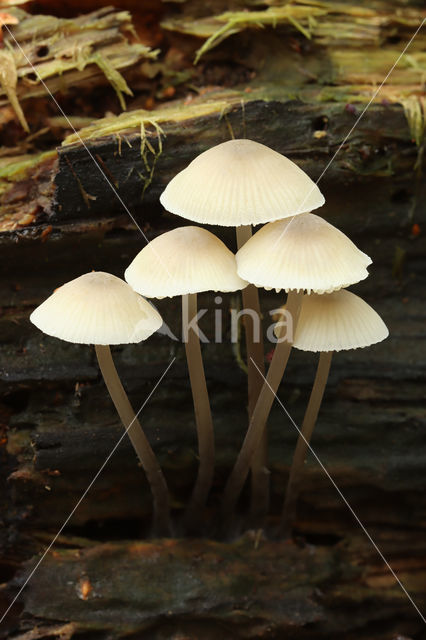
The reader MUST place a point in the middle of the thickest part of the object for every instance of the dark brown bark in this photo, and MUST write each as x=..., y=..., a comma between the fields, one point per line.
x=60, y=219
x=249, y=589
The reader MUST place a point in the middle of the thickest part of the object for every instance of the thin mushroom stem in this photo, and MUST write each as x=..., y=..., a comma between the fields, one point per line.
x=156, y=480
x=256, y=370
x=203, y=417
x=308, y=425
x=261, y=412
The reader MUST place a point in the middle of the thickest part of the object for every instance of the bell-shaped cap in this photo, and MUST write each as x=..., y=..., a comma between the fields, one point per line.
x=185, y=260
x=302, y=253
x=240, y=182
x=97, y=308
x=336, y=322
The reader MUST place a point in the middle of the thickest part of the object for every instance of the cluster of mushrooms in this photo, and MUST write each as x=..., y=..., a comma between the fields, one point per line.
x=238, y=183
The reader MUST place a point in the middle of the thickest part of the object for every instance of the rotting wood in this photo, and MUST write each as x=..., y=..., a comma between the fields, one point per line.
x=329, y=24
x=57, y=426
x=140, y=175
x=69, y=52
x=247, y=589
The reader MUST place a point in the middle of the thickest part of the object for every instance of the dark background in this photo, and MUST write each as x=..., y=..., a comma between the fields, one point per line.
x=58, y=424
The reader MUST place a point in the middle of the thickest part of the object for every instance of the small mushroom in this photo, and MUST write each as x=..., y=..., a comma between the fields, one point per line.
x=301, y=253
x=327, y=323
x=99, y=308
x=187, y=261
x=240, y=183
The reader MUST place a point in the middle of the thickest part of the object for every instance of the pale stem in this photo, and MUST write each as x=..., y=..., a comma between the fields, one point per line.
x=261, y=412
x=259, y=501
x=138, y=439
x=203, y=417
x=308, y=425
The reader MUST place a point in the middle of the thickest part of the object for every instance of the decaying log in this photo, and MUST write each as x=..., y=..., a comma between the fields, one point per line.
x=64, y=53
x=138, y=176
x=59, y=218
x=300, y=95
x=336, y=27
x=27, y=189
x=248, y=589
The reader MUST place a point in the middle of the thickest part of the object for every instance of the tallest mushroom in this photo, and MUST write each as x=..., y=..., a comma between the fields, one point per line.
x=241, y=183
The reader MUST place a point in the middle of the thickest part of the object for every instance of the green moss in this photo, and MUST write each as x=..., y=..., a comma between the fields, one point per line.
x=16, y=170
x=141, y=119
x=114, y=77
x=414, y=109
x=73, y=45
x=222, y=26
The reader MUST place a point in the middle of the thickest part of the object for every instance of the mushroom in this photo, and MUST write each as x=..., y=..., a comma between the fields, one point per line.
x=301, y=253
x=332, y=322
x=187, y=261
x=240, y=183
x=99, y=308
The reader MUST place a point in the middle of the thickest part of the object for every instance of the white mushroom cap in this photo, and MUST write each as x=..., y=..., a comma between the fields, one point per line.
x=337, y=321
x=185, y=260
x=303, y=252
x=97, y=308
x=240, y=182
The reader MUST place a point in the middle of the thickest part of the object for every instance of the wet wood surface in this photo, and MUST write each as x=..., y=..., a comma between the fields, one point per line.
x=59, y=219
